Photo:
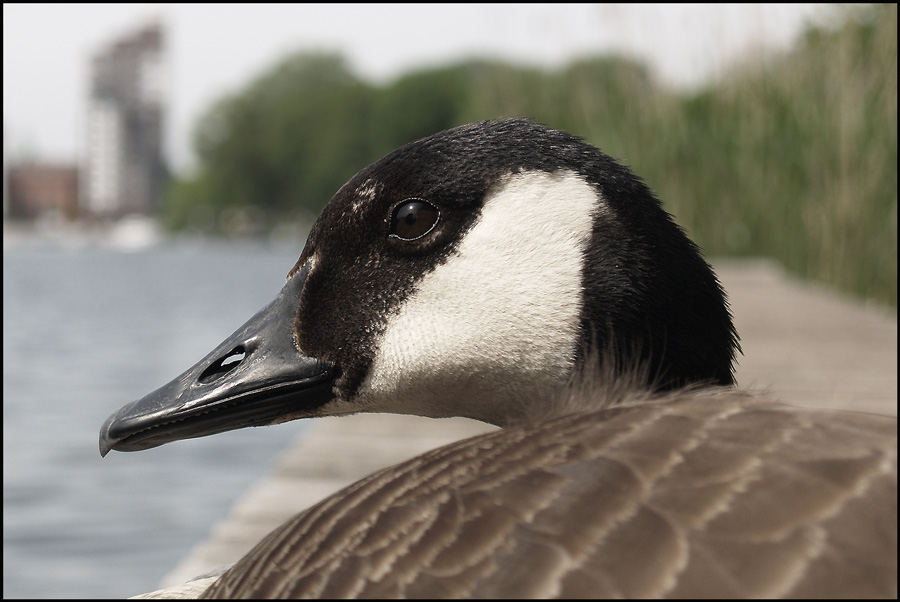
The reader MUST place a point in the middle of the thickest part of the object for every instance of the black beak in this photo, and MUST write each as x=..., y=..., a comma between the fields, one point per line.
x=255, y=377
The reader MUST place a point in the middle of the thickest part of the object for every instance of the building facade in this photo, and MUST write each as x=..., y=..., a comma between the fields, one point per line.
x=124, y=170
x=36, y=190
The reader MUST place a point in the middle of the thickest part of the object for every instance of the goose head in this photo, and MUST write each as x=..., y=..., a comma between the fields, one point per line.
x=471, y=273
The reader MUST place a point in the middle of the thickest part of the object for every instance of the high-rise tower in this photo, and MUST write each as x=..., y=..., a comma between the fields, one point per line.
x=124, y=169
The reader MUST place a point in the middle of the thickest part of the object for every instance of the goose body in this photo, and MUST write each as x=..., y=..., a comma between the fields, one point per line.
x=512, y=273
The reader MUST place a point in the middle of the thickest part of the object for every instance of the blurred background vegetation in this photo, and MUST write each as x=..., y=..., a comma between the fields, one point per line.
x=791, y=156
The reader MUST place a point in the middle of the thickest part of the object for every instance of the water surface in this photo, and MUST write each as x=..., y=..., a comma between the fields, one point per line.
x=85, y=331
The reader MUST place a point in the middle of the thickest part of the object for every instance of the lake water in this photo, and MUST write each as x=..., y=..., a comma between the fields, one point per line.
x=85, y=331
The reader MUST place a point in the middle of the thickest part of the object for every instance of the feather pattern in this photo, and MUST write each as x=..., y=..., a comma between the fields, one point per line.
x=696, y=494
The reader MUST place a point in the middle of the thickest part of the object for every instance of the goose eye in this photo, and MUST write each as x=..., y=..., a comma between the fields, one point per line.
x=413, y=218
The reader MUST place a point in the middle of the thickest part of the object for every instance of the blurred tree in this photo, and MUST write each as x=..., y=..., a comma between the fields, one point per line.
x=795, y=156
x=284, y=143
x=419, y=104
x=792, y=156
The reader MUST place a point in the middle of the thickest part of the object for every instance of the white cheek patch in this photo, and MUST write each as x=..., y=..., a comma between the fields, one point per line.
x=499, y=320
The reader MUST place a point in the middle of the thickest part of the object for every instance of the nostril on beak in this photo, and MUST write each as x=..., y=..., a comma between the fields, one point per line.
x=226, y=364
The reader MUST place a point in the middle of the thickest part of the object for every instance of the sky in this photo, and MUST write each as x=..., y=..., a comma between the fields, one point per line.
x=214, y=50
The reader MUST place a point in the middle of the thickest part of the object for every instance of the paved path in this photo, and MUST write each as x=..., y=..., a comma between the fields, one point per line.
x=805, y=344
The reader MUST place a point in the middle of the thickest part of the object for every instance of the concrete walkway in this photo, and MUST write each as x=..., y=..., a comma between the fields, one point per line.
x=807, y=345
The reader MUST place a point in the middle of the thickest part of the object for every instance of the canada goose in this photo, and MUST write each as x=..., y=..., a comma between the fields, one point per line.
x=512, y=273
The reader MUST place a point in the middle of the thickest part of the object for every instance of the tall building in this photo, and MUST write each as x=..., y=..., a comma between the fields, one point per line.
x=125, y=171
